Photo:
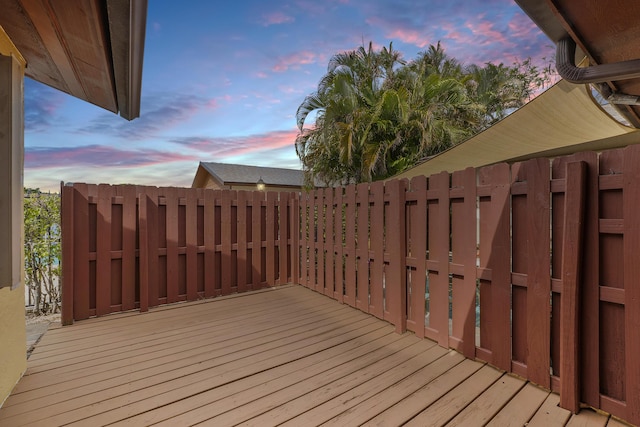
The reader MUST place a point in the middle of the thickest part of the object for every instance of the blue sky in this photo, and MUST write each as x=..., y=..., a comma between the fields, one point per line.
x=222, y=82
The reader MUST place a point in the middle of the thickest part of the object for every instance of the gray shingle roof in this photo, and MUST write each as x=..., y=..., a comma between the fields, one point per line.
x=232, y=173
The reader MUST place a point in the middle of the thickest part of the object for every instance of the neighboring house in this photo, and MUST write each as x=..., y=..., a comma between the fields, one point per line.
x=226, y=176
x=91, y=50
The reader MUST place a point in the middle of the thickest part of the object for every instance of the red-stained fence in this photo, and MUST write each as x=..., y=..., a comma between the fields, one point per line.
x=127, y=247
x=533, y=267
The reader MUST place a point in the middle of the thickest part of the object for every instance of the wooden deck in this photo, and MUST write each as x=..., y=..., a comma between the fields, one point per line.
x=284, y=356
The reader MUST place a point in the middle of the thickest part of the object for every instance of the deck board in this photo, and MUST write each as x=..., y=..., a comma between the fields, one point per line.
x=521, y=408
x=286, y=355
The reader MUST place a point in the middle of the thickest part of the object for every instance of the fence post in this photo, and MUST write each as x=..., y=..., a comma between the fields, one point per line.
x=242, y=239
x=396, y=280
x=143, y=224
x=362, y=250
x=67, y=224
x=631, y=248
x=270, y=224
x=463, y=265
x=294, y=223
x=418, y=236
x=256, y=239
x=329, y=248
x=571, y=268
x=376, y=238
x=283, y=241
x=350, y=246
x=439, y=218
x=495, y=261
x=103, y=250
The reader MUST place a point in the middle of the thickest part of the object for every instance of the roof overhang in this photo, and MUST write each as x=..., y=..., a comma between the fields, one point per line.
x=90, y=49
x=605, y=32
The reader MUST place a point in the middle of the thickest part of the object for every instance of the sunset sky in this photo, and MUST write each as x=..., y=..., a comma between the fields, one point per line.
x=222, y=82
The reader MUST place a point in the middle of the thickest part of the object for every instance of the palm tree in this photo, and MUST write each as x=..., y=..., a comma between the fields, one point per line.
x=376, y=115
x=350, y=98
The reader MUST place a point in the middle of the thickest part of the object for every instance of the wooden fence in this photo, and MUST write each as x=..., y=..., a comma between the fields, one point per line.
x=532, y=267
x=127, y=247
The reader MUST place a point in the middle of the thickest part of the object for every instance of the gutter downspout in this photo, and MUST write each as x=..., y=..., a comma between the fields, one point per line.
x=565, y=64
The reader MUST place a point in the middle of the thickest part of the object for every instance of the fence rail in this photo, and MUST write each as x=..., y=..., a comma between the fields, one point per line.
x=533, y=267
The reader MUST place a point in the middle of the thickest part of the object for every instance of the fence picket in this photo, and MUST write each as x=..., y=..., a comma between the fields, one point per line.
x=191, y=224
x=350, y=247
x=631, y=201
x=256, y=239
x=396, y=275
x=320, y=246
x=417, y=237
x=241, y=253
x=338, y=239
x=294, y=231
x=128, y=280
x=209, y=243
x=538, y=273
x=438, y=264
x=495, y=293
x=571, y=271
x=376, y=239
x=103, y=250
x=362, y=250
x=304, y=221
x=283, y=238
x=67, y=213
x=463, y=242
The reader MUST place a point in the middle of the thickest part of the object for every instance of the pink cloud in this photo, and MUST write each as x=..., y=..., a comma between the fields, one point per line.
x=521, y=27
x=409, y=36
x=216, y=148
x=261, y=75
x=485, y=33
x=276, y=18
x=294, y=60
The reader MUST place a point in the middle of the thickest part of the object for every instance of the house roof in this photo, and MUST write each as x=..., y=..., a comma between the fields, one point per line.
x=90, y=49
x=228, y=173
x=562, y=120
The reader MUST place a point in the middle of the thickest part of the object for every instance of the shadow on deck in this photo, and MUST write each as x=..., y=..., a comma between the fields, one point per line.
x=280, y=356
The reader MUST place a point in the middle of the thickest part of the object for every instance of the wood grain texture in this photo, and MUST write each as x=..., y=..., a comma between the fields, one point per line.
x=571, y=283
x=417, y=233
x=439, y=218
x=362, y=248
x=376, y=236
x=396, y=271
x=338, y=242
x=103, y=250
x=495, y=248
x=631, y=192
x=351, y=262
x=329, y=249
x=463, y=240
x=68, y=264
